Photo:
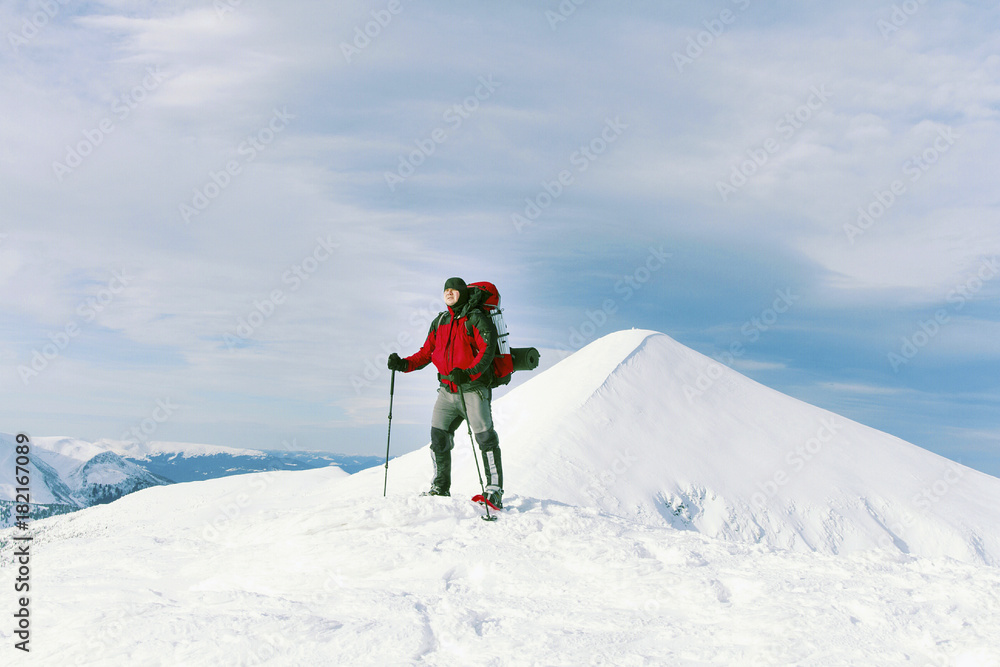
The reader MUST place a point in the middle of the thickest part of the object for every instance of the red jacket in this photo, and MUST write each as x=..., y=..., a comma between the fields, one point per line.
x=466, y=339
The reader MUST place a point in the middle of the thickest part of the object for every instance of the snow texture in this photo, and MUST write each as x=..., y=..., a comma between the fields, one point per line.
x=631, y=535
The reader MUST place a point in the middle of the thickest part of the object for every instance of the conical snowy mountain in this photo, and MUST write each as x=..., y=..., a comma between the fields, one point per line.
x=641, y=426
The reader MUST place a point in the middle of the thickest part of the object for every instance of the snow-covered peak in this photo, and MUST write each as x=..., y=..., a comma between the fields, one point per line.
x=73, y=448
x=638, y=425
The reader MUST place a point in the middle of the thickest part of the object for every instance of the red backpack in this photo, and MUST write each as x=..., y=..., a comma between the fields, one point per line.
x=505, y=360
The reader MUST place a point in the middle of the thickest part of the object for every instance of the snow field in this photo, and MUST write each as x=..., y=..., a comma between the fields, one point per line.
x=301, y=576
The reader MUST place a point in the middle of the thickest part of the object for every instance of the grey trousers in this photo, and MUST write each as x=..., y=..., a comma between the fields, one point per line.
x=447, y=416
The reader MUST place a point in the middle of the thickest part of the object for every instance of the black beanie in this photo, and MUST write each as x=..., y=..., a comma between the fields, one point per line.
x=457, y=284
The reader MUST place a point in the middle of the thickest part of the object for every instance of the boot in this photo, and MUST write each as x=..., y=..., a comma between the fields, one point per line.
x=493, y=467
x=441, y=484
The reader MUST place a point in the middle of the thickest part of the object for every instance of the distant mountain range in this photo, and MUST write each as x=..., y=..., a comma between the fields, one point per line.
x=68, y=474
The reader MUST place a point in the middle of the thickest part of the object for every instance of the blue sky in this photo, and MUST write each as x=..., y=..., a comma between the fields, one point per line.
x=235, y=209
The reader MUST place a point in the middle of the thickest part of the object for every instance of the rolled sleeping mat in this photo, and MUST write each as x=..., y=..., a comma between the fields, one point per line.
x=525, y=358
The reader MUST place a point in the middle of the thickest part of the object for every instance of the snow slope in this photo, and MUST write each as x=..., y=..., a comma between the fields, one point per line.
x=289, y=568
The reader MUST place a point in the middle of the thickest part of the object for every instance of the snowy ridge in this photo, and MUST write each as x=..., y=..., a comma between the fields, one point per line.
x=141, y=451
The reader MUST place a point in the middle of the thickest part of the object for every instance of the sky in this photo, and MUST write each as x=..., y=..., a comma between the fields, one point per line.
x=218, y=218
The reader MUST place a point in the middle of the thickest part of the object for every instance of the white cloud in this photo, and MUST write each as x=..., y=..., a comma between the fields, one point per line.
x=750, y=365
x=864, y=389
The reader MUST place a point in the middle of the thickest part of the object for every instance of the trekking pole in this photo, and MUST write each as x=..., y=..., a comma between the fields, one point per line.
x=392, y=390
x=475, y=454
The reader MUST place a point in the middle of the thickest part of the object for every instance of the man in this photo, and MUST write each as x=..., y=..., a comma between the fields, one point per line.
x=461, y=343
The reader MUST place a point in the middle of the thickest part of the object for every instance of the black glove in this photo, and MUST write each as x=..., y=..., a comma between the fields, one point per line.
x=459, y=375
x=397, y=364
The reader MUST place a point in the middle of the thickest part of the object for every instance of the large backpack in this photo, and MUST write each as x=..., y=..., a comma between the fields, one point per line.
x=506, y=360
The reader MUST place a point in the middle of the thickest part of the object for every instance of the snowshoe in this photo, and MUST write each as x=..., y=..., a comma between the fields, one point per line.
x=491, y=498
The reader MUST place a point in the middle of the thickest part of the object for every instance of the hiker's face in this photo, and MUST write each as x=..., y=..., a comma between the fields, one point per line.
x=451, y=296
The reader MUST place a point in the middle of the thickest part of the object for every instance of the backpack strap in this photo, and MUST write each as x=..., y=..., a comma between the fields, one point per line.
x=483, y=322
